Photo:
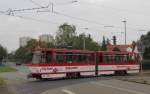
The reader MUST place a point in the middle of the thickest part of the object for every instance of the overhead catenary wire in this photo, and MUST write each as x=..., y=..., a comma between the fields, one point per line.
x=116, y=10
x=90, y=21
x=37, y=8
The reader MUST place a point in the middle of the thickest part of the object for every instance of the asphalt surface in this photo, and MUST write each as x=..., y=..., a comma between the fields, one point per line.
x=19, y=84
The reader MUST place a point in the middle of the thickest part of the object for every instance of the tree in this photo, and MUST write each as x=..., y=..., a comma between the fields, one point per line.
x=104, y=45
x=144, y=42
x=65, y=35
x=144, y=45
x=24, y=54
x=146, y=54
x=108, y=41
x=3, y=53
x=89, y=43
x=33, y=43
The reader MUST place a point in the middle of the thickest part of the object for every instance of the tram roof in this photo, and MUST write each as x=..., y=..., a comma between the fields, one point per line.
x=82, y=51
x=63, y=50
x=112, y=52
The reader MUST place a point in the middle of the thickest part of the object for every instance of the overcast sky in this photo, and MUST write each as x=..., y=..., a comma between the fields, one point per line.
x=96, y=15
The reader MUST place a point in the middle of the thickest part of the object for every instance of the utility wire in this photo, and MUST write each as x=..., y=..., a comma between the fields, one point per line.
x=77, y=18
x=90, y=21
x=38, y=8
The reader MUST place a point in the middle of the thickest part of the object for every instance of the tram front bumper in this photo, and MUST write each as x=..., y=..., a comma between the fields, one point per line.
x=30, y=76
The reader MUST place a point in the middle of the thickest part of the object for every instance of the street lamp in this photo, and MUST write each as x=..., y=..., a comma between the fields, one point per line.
x=125, y=31
x=84, y=43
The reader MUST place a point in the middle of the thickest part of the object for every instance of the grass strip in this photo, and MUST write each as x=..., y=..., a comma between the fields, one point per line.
x=2, y=82
x=7, y=69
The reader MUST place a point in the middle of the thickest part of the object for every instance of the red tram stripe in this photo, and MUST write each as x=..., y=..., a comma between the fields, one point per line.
x=83, y=64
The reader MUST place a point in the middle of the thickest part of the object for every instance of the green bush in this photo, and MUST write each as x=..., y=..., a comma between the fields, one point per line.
x=146, y=64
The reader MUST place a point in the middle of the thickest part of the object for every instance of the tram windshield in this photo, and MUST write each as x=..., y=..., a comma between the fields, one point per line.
x=41, y=57
x=37, y=57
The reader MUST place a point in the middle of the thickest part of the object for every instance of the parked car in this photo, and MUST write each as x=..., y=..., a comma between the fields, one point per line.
x=18, y=63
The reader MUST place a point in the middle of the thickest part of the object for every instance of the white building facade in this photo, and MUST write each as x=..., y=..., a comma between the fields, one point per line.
x=46, y=38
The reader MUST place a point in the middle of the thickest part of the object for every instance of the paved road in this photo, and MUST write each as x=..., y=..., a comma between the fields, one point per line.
x=102, y=87
x=97, y=85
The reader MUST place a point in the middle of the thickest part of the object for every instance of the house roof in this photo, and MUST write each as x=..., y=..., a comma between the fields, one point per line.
x=111, y=47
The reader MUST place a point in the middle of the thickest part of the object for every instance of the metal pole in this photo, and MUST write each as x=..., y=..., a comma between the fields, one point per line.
x=52, y=7
x=83, y=43
x=141, y=58
x=125, y=28
x=84, y=38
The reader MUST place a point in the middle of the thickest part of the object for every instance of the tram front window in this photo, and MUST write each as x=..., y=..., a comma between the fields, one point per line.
x=37, y=57
x=41, y=57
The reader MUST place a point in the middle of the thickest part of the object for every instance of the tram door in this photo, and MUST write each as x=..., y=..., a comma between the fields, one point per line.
x=96, y=66
x=99, y=60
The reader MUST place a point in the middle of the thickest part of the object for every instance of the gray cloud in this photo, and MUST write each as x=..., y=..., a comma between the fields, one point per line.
x=104, y=12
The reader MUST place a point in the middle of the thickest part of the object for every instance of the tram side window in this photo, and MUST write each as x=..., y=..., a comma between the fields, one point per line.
x=125, y=58
x=90, y=57
x=137, y=58
x=117, y=58
x=81, y=58
x=100, y=58
x=69, y=57
x=106, y=57
x=58, y=57
x=130, y=58
x=49, y=57
x=86, y=58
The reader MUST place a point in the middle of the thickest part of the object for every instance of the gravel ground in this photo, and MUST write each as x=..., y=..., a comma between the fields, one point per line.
x=3, y=87
x=142, y=78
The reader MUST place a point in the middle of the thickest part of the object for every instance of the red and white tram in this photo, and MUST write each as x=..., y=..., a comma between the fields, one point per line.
x=60, y=63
